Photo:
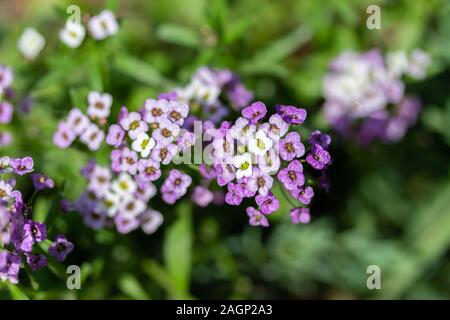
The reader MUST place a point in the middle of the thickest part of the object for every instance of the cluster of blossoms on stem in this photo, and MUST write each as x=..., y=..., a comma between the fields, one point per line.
x=101, y=26
x=80, y=125
x=6, y=108
x=365, y=96
x=145, y=141
x=249, y=155
x=210, y=93
x=19, y=233
x=117, y=200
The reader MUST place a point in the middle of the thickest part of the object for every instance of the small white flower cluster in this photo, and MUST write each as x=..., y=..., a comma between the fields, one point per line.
x=120, y=200
x=101, y=26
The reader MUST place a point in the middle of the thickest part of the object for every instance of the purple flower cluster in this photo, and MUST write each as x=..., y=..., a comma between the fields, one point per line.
x=247, y=155
x=6, y=108
x=119, y=200
x=210, y=92
x=365, y=95
x=145, y=141
x=18, y=232
x=80, y=125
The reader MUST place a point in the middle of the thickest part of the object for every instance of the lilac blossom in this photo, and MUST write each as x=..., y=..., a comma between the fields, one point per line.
x=22, y=166
x=41, y=181
x=115, y=136
x=64, y=136
x=300, y=215
x=255, y=112
x=60, y=248
x=292, y=176
x=318, y=158
x=304, y=194
x=201, y=196
x=291, y=147
x=267, y=203
x=256, y=218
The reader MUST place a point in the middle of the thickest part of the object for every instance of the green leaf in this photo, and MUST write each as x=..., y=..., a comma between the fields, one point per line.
x=179, y=35
x=278, y=50
x=177, y=249
x=132, y=288
x=17, y=293
x=139, y=70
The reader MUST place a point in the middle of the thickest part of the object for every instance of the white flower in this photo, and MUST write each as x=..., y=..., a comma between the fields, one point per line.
x=151, y=220
x=260, y=143
x=111, y=203
x=103, y=25
x=419, y=64
x=73, y=34
x=143, y=144
x=243, y=164
x=124, y=184
x=30, y=43
x=99, y=104
x=130, y=206
x=242, y=130
x=397, y=62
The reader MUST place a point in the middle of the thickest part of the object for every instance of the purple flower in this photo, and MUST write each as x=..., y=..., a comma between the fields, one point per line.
x=171, y=95
x=291, y=114
x=60, y=248
x=5, y=190
x=166, y=131
x=150, y=221
x=125, y=223
x=5, y=139
x=268, y=203
x=36, y=261
x=238, y=95
x=244, y=189
x=292, y=176
x=115, y=135
x=92, y=137
x=291, y=147
x=207, y=172
x=225, y=173
x=129, y=161
x=41, y=181
x=11, y=266
x=6, y=112
x=300, y=215
x=6, y=77
x=148, y=170
x=256, y=218
x=255, y=112
x=155, y=110
x=304, y=194
x=177, y=112
x=320, y=138
x=202, y=196
x=178, y=181
x=22, y=166
x=318, y=158
x=64, y=136
x=164, y=152
x=233, y=197
x=32, y=232
x=260, y=182
x=77, y=121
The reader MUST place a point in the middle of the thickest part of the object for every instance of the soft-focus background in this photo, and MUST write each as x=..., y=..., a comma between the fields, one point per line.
x=389, y=205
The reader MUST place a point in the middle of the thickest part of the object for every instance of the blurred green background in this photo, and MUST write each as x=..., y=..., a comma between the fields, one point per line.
x=389, y=204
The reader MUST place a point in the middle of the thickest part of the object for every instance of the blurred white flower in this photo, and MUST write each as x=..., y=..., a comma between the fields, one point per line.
x=397, y=62
x=30, y=43
x=418, y=64
x=73, y=34
x=103, y=25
